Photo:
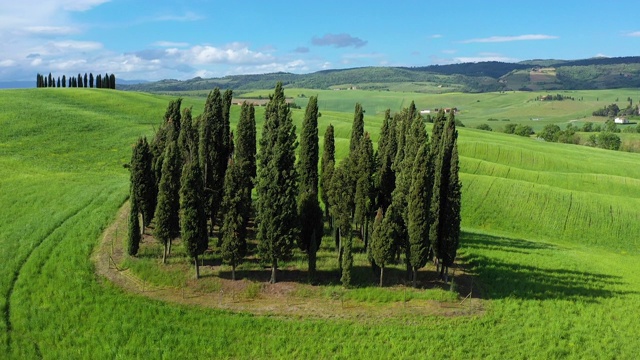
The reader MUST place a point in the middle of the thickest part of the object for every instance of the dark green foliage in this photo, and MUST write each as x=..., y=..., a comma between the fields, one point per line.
x=80, y=84
x=609, y=110
x=308, y=206
x=193, y=218
x=485, y=127
x=167, y=221
x=550, y=133
x=133, y=243
x=106, y=82
x=213, y=152
x=235, y=217
x=227, y=135
x=347, y=262
x=90, y=80
x=387, y=146
x=364, y=192
x=112, y=81
x=188, y=137
x=523, y=130
x=277, y=184
x=168, y=131
x=64, y=81
x=357, y=129
x=605, y=140
x=382, y=242
x=341, y=200
x=86, y=80
x=309, y=153
x=98, y=81
x=143, y=188
x=418, y=211
x=510, y=128
x=245, y=150
x=327, y=164
x=452, y=211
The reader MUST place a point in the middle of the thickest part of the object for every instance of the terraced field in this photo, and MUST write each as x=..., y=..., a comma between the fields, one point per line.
x=551, y=240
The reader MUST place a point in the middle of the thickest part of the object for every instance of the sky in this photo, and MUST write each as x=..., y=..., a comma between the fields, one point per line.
x=154, y=40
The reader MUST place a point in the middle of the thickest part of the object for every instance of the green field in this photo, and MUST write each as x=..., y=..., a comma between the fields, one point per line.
x=550, y=239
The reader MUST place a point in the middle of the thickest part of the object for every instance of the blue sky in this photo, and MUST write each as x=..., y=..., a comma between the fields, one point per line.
x=154, y=40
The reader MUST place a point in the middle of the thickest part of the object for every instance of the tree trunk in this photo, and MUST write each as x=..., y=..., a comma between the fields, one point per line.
x=446, y=274
x=164, y=253
x=233, y=271
x=141, y=227
x=197, y=268
x=313, y=249
x=340, y=249
x=381, y=274
x=435, y=260
x=442, y=272
x=169, y=251
x=274, y=270
x=365, y=235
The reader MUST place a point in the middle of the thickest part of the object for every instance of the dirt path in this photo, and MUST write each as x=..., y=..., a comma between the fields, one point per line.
x=286, y=299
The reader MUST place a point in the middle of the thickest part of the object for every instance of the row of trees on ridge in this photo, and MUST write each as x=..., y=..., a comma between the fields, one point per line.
x=87, y=81
x=196, y=174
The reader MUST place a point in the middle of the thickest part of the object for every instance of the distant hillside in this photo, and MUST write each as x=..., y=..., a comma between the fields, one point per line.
x=539, y=74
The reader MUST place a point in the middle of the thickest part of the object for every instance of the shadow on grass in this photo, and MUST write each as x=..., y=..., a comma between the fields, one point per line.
x=501, y=278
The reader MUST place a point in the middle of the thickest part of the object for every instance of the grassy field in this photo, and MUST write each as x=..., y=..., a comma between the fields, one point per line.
x=550, y=237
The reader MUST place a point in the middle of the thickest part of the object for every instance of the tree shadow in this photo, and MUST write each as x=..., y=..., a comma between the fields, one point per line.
x=500, y=278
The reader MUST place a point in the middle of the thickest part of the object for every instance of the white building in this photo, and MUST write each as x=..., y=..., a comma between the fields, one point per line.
x=620, y=120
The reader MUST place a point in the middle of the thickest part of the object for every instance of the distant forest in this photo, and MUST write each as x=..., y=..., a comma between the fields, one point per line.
x=595, y=73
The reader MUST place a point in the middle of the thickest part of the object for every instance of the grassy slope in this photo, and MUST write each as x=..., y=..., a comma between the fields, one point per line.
x=61, y=181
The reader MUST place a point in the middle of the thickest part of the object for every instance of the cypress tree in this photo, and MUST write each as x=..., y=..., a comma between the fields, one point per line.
x=58, y=85
x=193, y=219
x=213, y=152
x=452, y=213
x=142, y=182
x=382, y=242
x=167, y=222
x=357, y=129
x=38, y=80
x=86, y=80
x=105, y=82
x=64, y=80
x=364, y=193
x=327, y=164
x=235, y=210
x=112, y=81
x=91, y=80
x=341, y=198
x=308, y=206
x=188, y=137
x=168, y=131
x=277, y=184
x=227, y=99
x=99, y=81
x=50, y=80
x=245, y=150
x=70, y=81
x=386, y=179
x=418, y=212
x=46, y=84
x=134, y=229
x=79, y=80
x=347, y=262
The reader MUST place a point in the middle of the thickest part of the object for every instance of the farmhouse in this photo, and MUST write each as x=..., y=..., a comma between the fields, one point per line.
x=621, y=120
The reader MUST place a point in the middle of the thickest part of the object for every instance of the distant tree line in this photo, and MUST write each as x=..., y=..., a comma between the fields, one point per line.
x=87, y=81
x=195, y=179
x=614, y=110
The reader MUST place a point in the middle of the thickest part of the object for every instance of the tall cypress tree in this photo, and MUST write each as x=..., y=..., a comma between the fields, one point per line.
x=86, y=80
x=341, y=198
x=142, y=181
x=386, y=179
x=80, y=84
x=382, y=242
x=64, y=80
x=98, y=82
x=227, y=99
x=451, y=217
x=167, y=222
x=357, y=129
x=58, y=85
x=235, y=210
x=112, y=81
x=91, y=80
x=277, y=183
x=213, y=152
x=418, y=212
x=134, y=229
x=327, y=164
x=308, y=206
x=193, y=218
x=364, y=194
x=245, y=149
x=188, y=137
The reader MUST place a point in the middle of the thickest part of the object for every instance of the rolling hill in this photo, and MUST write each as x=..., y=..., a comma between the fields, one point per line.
x=550, y=237
x=596, y=73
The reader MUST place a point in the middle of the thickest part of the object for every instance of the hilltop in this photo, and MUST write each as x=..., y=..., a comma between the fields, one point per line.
x=585, y=74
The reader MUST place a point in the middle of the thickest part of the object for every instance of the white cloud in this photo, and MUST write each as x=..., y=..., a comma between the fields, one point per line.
x=436, y=36
x=235, y=53
x=188, y=16
x=633, y=34
x=76, y=45
x=51, y=30
x=7, y=63
x=495, y=39
x=483, y=58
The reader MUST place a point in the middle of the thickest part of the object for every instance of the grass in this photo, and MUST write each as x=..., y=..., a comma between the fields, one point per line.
x=557, y=281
